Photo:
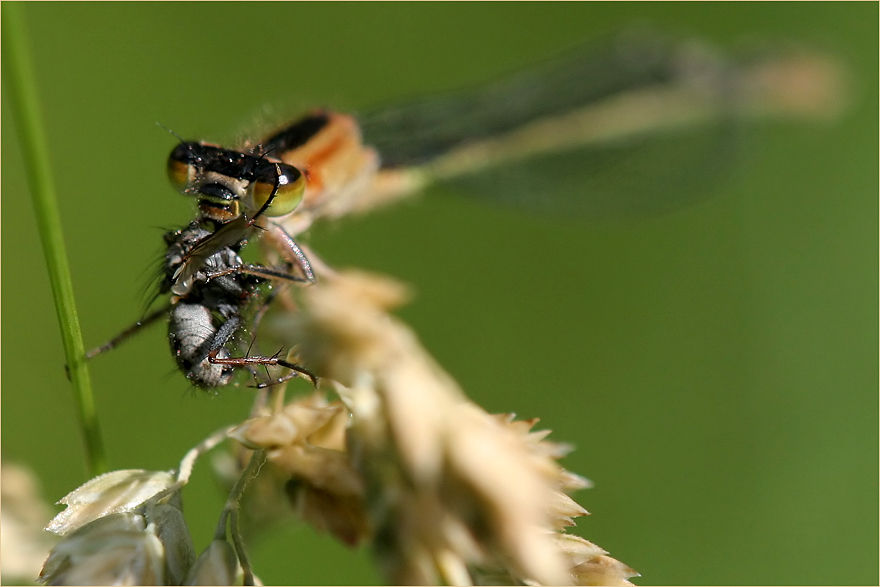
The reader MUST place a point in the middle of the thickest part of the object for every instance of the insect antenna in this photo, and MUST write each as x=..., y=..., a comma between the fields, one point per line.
x=174, y=134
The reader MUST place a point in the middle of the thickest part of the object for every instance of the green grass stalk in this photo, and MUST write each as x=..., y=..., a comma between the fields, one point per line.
x=20, y=83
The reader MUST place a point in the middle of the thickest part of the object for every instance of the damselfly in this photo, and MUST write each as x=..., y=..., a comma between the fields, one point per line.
x=637, y=127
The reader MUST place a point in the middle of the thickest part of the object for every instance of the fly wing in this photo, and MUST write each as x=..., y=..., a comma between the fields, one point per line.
x=639, y=126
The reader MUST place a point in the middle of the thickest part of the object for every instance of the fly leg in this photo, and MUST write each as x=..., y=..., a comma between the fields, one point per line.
x=296, y=370
x=222, y=336
x=130, y=331
x=257, y=320
x=259, y=271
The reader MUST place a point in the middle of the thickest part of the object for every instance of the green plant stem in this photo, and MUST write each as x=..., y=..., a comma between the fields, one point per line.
x=22, y=90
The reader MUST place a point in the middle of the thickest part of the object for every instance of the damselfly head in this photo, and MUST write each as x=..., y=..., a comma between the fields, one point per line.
x=230, y=183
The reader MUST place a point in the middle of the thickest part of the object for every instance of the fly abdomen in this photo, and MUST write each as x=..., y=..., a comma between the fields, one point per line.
x=192, y=334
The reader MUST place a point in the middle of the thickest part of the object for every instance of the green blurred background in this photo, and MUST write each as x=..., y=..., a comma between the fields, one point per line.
x=716, y=367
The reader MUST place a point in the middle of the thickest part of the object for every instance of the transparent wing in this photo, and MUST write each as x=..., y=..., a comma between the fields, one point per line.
x=638, y=126
x=638, y=177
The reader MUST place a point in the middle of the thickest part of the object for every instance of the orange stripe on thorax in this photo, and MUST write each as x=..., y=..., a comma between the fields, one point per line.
x=329, y=159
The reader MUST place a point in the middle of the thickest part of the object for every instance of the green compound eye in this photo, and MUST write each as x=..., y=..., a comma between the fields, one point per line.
x=291, y=184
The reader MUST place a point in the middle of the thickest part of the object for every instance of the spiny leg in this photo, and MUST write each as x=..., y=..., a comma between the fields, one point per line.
x=255, y=326
x=130, y=331
x=259, y=271
x=296, y=370
x=289, y=250
x=222, y=336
